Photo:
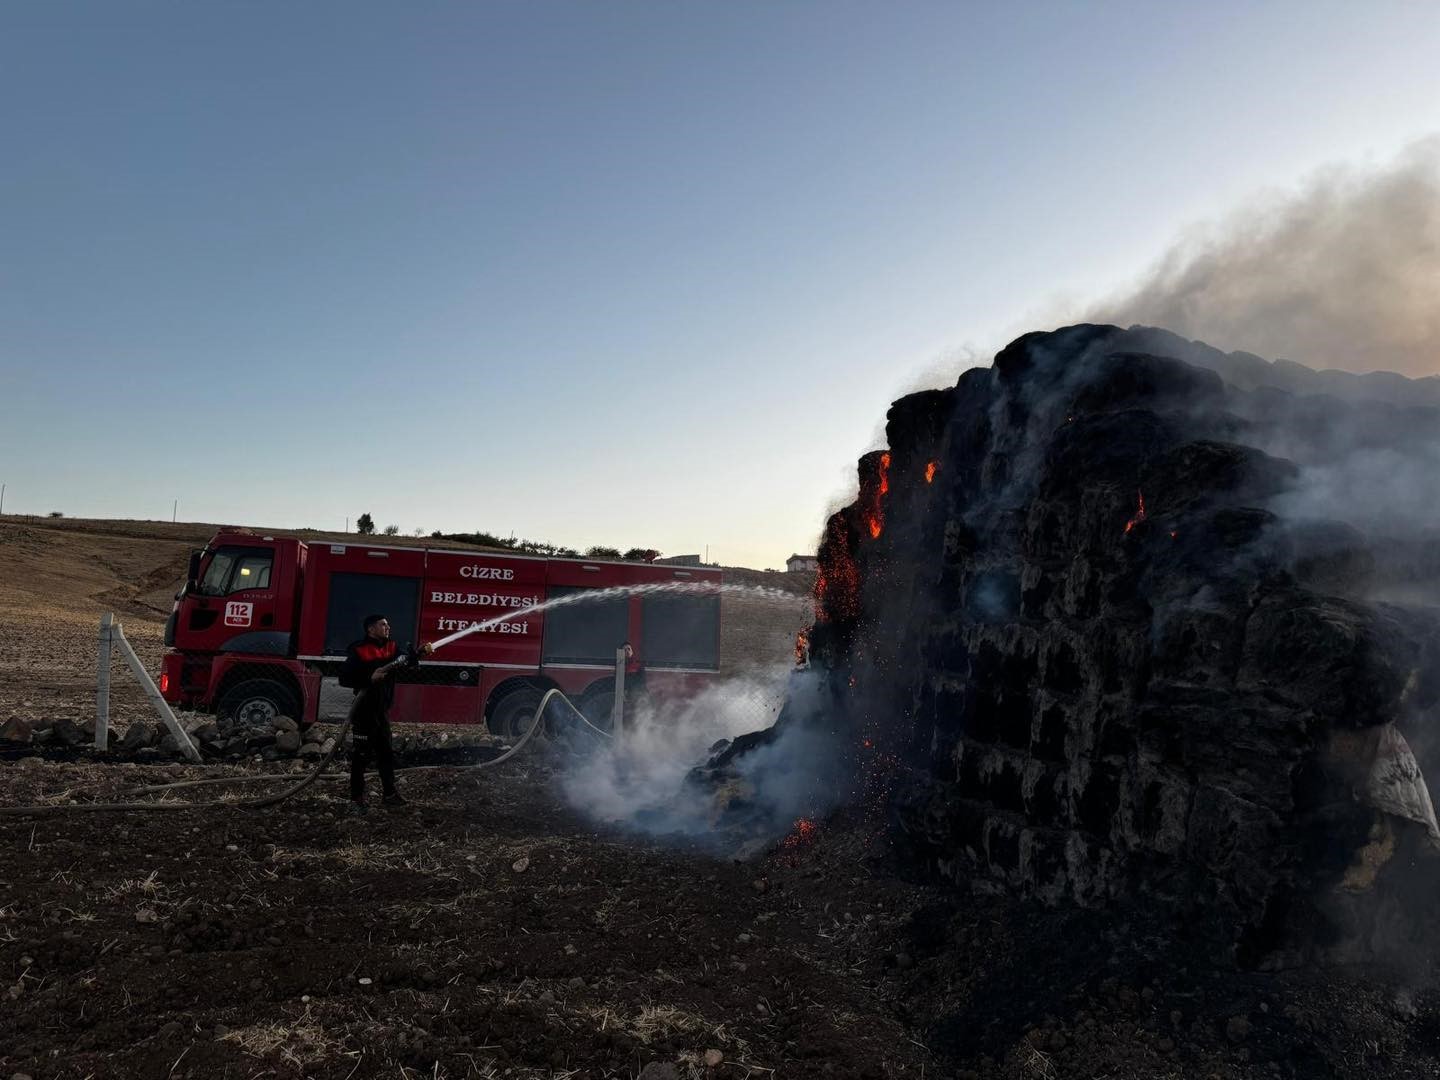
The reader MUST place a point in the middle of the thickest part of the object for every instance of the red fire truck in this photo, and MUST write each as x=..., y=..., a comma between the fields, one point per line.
x=261, y=621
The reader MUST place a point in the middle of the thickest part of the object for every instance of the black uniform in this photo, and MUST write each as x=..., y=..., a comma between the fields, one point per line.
x=369, y=724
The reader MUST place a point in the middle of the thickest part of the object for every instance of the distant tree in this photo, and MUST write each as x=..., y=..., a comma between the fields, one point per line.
x=419, y=532
x=365, y=525
x=437, y=535
x=599, y=552
x=57, y=513
x=641, y=555
x=567, y=553
x=392, y=530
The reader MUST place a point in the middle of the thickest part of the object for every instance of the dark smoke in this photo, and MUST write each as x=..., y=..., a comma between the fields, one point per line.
x=1341, y=274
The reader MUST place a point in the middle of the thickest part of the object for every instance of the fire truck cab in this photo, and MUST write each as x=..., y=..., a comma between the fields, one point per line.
x=262, y=620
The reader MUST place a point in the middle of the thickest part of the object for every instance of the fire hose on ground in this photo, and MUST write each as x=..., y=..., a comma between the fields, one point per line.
x=273, y=799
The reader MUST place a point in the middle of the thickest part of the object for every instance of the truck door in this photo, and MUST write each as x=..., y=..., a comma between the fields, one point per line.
x=234, y=605
x=344, y=583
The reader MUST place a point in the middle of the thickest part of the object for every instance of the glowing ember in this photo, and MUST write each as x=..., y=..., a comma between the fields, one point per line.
x=1139, y=513
x=837, y=586
x=802, y=835
x=930, y=471
x=802, y=649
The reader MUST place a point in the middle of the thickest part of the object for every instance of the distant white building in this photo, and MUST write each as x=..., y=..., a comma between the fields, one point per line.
x=802, y=562
x=680, y=560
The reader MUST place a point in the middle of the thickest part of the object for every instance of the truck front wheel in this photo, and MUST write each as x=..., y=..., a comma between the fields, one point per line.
x=256, y=702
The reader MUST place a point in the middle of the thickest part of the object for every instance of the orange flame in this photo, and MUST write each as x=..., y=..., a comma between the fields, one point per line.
x=1139, y=513
x=802, y=649
x=875, y=519
x=930, y=472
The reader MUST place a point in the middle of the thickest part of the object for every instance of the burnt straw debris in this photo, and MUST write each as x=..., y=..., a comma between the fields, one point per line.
x=1123, y=620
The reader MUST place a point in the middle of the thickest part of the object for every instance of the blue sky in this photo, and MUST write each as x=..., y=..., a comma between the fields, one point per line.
x=638, y=274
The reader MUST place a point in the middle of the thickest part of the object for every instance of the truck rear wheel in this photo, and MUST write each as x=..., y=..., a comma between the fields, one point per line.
x=256, y=702
x=597, y=704
x=512, y=714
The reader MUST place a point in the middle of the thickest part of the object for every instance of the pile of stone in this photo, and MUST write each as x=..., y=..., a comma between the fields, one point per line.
x=282, y=737
x=62, y=733
x=217, y=738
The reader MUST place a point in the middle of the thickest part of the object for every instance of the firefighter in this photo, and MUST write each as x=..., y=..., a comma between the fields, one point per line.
x=370, y=667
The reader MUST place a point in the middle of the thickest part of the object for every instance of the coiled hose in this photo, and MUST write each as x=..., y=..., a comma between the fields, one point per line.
x=263, y=801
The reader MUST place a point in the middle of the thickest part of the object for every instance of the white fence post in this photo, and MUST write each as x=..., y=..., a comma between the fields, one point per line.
x=148, y=685
x=617, y=708
x=102, y=684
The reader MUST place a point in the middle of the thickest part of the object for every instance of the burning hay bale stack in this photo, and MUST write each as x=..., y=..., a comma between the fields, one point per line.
x=1108, y=631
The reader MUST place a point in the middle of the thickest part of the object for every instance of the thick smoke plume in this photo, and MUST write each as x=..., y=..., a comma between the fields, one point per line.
x=1342, y=274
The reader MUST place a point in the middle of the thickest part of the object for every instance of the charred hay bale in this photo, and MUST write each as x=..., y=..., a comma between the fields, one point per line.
x=1115, y=663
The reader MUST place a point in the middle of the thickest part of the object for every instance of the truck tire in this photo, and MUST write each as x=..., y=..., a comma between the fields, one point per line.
x=256, y=702
x=511, y=716
x=596, y=705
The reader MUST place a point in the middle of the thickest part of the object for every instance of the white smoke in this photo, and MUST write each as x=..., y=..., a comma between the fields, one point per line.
x=1343, y=273
x=638, y=781
x=1374, y=489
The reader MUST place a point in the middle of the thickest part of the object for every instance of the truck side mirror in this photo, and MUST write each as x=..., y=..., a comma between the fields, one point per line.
x=192, y=572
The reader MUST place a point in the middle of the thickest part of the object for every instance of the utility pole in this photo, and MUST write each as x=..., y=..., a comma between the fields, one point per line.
x=2, y=498
x=174, y=509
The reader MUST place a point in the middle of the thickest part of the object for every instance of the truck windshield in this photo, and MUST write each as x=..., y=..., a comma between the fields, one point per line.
x=236, y=569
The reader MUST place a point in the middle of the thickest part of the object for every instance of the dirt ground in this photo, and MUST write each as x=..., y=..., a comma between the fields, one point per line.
x=485, y=930
x=490, y=930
